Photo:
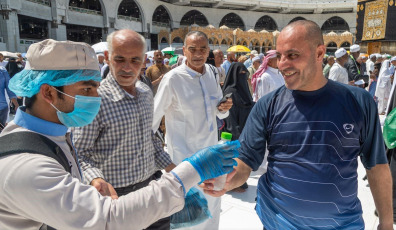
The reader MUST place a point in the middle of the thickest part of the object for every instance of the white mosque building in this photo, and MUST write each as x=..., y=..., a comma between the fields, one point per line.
x=23, y=22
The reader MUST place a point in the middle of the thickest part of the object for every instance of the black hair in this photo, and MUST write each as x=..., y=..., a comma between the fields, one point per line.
x=29, y=101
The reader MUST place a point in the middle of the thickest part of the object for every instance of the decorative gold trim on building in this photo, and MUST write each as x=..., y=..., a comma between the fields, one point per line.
x=375, y=17
x=260, y=41
x=391, y=2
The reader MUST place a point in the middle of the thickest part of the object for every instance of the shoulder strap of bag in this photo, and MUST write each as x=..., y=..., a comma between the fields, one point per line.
x=29, y=142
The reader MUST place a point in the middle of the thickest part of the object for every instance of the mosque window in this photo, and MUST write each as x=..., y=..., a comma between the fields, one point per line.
x=32, y=28
x=232, y=21
x=129, y=9
x=161, y=16
x=265, y=23
x=194, y=17
x=336, y=24
x=90, y=6
x=297, y=19
x=87, y=34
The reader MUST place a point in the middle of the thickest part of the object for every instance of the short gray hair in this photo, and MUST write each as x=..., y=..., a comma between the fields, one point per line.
x=111, y=36
x=195, y=33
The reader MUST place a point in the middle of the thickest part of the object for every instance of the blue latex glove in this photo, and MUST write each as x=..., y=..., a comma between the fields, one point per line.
x=195, y=210
x=215, y=160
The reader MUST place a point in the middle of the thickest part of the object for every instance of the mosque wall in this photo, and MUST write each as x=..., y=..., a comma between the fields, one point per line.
x=59, y=14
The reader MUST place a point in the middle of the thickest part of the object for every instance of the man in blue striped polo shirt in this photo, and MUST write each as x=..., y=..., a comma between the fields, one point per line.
x=315, y=130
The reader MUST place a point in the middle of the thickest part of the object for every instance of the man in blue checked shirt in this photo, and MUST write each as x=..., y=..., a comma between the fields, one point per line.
x=118, y=149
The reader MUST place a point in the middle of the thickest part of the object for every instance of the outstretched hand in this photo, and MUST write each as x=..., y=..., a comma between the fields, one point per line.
x=215, y=160
x=104, y=188
x=208, y=186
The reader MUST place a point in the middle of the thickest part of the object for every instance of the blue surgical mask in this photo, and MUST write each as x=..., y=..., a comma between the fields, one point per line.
x=85, y=111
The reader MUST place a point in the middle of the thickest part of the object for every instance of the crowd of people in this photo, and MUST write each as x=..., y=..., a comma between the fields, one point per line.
x=117, y=140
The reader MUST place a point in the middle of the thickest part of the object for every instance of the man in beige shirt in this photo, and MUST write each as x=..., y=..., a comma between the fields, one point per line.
x=219, y=58
x=256, y=62
x=157, y=71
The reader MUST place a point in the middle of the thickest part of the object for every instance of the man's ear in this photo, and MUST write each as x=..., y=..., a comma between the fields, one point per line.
x=48, y=93
x=106, y=54
x=320, y=52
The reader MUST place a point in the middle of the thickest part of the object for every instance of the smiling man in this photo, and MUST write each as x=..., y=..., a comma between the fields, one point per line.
x=189, y=98
x=315, y=130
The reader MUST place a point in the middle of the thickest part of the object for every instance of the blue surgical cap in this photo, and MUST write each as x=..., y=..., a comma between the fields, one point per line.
x=27, y=83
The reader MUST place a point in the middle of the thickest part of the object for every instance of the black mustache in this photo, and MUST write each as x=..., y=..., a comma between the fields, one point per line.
x=126, y=73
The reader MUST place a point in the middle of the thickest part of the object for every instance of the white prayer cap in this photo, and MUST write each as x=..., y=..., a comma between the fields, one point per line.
x=373, y=55
x=99, y=55
x=340, y=52
x=354, y=48
x=257, y=58
x=359, y=82
x=393, y=58
x=166, y=60
x=254, y=52
x=378, y=55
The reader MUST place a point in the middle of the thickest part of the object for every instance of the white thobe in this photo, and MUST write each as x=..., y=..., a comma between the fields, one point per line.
x=180, y=97
x=382, y=92
x=269, y=81
x=338, y=73
x=369, y=66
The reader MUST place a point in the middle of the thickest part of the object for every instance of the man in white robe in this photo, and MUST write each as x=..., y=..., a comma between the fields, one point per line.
x=384, y=86
x=189, y=97
x=338, y=72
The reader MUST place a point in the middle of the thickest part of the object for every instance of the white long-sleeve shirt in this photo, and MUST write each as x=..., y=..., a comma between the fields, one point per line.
x=186, y=97
x=338, y=73
x=180, y=98
x=270, y=80
x=369, y=66
x=36, y=189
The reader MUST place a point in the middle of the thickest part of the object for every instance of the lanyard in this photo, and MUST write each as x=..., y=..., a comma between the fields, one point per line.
x=354, y=62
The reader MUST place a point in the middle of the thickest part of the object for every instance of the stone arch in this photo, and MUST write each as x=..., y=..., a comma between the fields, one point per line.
x=336, y=24
x=163, y=43
x=225, y=44
x=213, y=43
x=164, y=40
x=345, y=44
x=267, y=45
x=232, y=21
x=254, y=45
x=296, y=19
x=266, y=23
x=162, y=15
x=242, y=41
x=130, y=8
x=177, y=42
x=331, y=47
x=194, y=17
x=226, y=41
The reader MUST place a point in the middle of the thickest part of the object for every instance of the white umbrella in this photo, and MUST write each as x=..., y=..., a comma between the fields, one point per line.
x=150, y=53
x=168, y=49
x=100, y=47
x=9, y=54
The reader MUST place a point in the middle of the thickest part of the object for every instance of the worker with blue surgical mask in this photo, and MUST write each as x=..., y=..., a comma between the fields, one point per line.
x=42, y=186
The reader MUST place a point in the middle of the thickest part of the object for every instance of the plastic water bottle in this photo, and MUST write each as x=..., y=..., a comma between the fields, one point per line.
x=221, y=180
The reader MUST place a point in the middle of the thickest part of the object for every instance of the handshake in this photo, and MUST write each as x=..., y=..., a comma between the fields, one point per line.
x=215, y=160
